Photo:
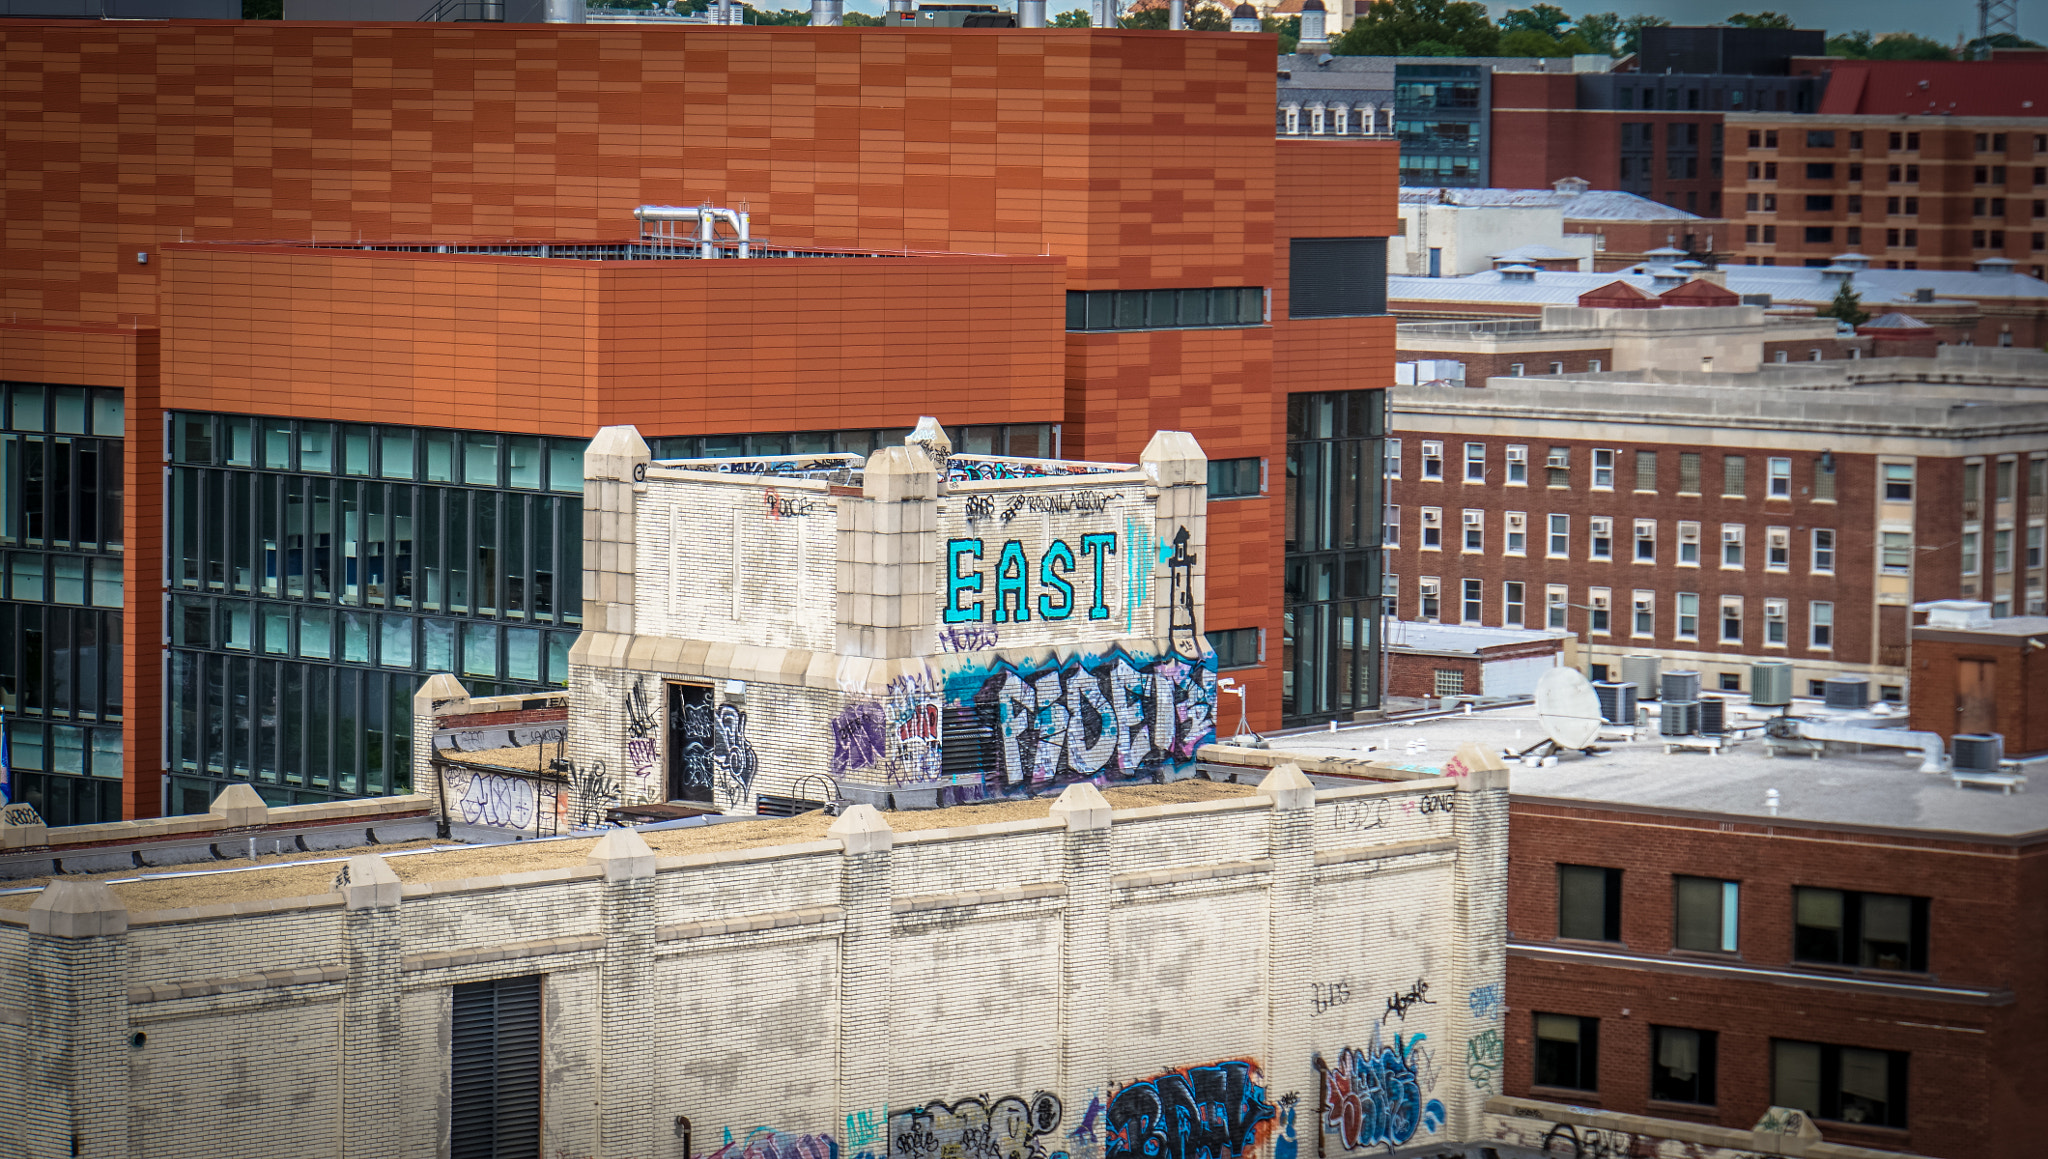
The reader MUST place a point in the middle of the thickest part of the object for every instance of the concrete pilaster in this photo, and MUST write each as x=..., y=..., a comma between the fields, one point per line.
x=629, y=1054
x=439, y=695
x=864, y=988
x=75, y=1093
x=1290, y=947
x=614, y=476
x=1086, y=969
x=373, y=1037
x=1174, y=464
x=888, y=558
x=1478, y=1007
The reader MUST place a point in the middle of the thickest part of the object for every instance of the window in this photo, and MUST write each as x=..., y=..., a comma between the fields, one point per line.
x=1475, y=531
x=1557, y=368
x=1432, y=459
x=1646, y=541
x=1602, y=538
x=1781, y=478
x=1518, y=533
x=1431, y=588
x=1770, y=138
x=1448, y=682
x=1823, y=551
x=1567, y=1052
x=495, y=1068
x=1777, y=549
x=1237, y=647
x=1689, y=544
x=1688, y=473
x=1688, y=615
x=1704, y=914
x=2034, y=544
x=1898, y=482
x=1731, y=619
x=1603, y=470
x=1343, y=277
x=1820, y=138
x=1432, y=528
x=1820, y=203
x=1599, y=610
x=1646, y=613
x=1682, y=1065
x=1820, y=234
x=1517, y=369
x=1391, y=533
x=1820, y=617
x=1475, y=462
x=1731, y=545
x=1734, y=476
x=1393, y=458
x=1972, y=559
x=1844, y=1083
x=1559, y=466
x=2004, y=479
x=1589, y=903
x=1824, y=479
x=1560, y=546
x=1774, y=622
x=1897, y=548
x=1646, y=470
x=1518, y=465
x=1556, y=605
x=1513, y=604
x=1165, y=309
x=1875, y=931
x=2001, y=550
x=1236, y=478
x=1473, y=610
x=1593, y=364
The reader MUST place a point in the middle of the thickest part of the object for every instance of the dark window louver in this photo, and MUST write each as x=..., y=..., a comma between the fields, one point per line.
x=494, y=1089
x=1337, y=277
x=967, y=741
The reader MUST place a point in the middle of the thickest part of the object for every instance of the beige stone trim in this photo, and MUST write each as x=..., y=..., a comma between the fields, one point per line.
x=265, y=980
x=787, y=919
x=938, y=901
x=507, y=952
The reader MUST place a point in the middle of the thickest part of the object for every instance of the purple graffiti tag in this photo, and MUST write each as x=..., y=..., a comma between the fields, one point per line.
x=859, y=738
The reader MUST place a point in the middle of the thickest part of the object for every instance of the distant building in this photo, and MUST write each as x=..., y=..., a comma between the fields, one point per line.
x=1975, y=673
x=1428, y=660
x=1714, y=519
x=1448, y=231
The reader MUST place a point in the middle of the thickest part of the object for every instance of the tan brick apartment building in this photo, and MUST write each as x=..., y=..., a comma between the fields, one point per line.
x=1716, y=519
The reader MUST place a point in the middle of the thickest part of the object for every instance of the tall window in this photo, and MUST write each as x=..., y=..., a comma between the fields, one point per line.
x=1688, y=615
x=1432, y=598
x=1646, y=470
x=1688, y=473
x=1972, y=555
x=1473, y=610
x=1560, y=546
x=1475, y=531
x=1682, y=1064
x=1556, y=607
x=1432, y=528
x=1876, y=931
x=1777, y=549
x=1734, y=476
x=1393, y=458
x=1898, y=482
x=1820, y=616
x=1601, y=539
x=1589, y=903
x=1646, y=541
x=1432, y=459
x=1774, y=622
x=1731, y=545
x=1567, y=1052
x=1518, y=465
x=1645, y=613
x=1599, y=610
x=1475, y=462
x=1705, y=914
x=1517, y=533
x=1391, y=535
x=1823, y=551
x=1845, y=1084
x=1557, y=467
x=1896, y=552
x=1781, y=479
x=1603, y=468
x=1731, y=619
x=1824, y=479
x=1513, y=604
x=495, y=1069
x=1333, y=556
x=1688, y=544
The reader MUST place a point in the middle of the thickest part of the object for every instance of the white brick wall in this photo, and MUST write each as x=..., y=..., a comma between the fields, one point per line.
x=773, y=995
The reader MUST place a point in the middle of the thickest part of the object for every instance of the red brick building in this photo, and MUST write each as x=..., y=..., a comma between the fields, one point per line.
x=1973, y=673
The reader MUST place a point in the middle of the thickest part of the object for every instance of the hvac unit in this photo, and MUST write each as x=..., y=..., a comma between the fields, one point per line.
x=1640, y=671
x=1978, y=752
x=1559, y=458
x=1713, y=716
x=1682, y=684
x=1847, y=692
x=1678, y=717
x=1770, y=684
x=1617, y=701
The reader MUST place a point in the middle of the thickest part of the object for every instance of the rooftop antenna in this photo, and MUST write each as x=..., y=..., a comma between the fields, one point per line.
x=1230, y=686
x=1995, y=17
x=1569, y=711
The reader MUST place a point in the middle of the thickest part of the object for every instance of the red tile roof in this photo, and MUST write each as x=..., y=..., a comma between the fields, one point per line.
x=1990, y=88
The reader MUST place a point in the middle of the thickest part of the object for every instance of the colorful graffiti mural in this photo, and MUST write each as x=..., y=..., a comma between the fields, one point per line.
x=1203, y=1111
x=1374, y=1096
x=1006, y=1128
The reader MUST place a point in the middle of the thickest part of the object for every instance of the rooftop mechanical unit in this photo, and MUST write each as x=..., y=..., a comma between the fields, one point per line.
x=1678, y=717
x=1847, y=692
x=1713, y=716
x=1640, y=671
x=1977, y=752
x=1770, y=684
x=1681, y=684
x=1617, y=701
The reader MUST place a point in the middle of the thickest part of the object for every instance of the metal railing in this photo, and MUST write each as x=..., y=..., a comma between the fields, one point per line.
x=465, y=11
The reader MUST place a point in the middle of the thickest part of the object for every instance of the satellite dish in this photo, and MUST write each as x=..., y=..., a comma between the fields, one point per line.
x=1568, y=708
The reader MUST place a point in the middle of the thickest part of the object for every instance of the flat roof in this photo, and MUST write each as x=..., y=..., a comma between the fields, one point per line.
x=1415, y=635
x=1875, y=789
x=1783, y=283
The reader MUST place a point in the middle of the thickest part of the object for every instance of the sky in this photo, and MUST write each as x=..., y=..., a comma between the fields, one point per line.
x=1937, y=19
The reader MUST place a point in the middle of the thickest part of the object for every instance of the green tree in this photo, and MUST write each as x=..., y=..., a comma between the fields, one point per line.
x=1847, y=306
x=1906, y=46
x=1396, y=27
x=860, y=20
x=1434, y=48
x=1287, y=29
x=1075, y=18
x=1547, y=19
x=1201, y=17
x=785, y=17
x=1529, y=42
x=1601, y=30
x=1632, y=32
x=1851, y=45
x=263, y=9
x=1760, y=20
x=1981, y=47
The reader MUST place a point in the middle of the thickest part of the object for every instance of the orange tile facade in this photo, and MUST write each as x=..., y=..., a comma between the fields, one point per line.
x=1073, y=159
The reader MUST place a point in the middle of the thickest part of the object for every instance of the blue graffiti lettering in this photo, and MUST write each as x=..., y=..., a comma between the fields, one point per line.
x=1374, y=1096
x=1205, y=1112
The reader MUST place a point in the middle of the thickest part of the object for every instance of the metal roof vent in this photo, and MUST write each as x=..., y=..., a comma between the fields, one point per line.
x=1518, y=273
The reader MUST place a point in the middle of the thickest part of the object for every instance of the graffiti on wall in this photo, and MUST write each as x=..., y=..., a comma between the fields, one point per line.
x=1399, y=1005
x=1373, y=1096
x=857, y=738
x=588, y=792
x=1209, y=1111
x=732, y=755
x=642, y=755
x=1487, y=1003
x=1180, y=571
x=769, y=1143
x=1483, y=1056
x=1286, y=1143
x=1005, y=1128
x=1094, y=717
x=507, y=802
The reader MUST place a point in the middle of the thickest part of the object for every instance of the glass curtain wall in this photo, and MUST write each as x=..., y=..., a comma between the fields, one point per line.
x=1331, y=645
x=60, y=597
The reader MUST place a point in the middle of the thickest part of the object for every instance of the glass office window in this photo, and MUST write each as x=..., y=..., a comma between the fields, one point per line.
x=1332, y=562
